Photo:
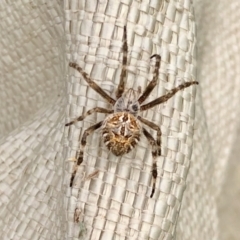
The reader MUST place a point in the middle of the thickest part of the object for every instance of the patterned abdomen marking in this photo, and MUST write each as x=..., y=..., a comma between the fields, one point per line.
x=121, y=132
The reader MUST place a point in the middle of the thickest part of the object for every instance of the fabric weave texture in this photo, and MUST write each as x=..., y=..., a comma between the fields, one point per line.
x=110, y=198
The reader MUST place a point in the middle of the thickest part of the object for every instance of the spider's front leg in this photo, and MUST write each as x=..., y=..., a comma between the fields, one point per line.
x=79, y=156
x=153, y=83
x=167, y=96
x=154, y=155
x=89, y=112
x=123, y=75
x=92, y=84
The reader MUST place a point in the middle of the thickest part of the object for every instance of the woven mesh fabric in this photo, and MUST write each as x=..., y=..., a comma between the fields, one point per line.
x=110, y=197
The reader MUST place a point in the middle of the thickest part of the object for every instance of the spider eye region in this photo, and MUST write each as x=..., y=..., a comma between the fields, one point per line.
x=127, y=105
x=135, y=107
x=128, y=102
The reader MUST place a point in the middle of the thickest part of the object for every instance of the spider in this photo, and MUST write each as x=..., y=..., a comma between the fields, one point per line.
x=122, y=128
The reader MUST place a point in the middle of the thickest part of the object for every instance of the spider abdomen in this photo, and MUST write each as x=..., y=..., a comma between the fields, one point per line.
x=121, y=132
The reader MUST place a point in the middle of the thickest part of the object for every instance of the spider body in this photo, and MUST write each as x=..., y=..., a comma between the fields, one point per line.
x=121, y=132
x=122, y=128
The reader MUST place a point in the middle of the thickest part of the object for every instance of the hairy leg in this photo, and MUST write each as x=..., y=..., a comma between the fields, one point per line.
x=154, y=155
x=89, y=112
x=165, y=97
x=153, y=83
x=92, y=84
x=156, y=128
x=79, y=156
x=121, y=85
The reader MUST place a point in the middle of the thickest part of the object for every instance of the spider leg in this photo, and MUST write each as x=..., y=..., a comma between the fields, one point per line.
x=165, y=97
x=154, y=154
x=153, y=83
x=79, y=156
x=156, y=128
x=92, y=84
x=89, y=112
x=121, y=85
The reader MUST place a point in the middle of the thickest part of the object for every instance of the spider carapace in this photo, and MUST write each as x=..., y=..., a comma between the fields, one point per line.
x=123, y=126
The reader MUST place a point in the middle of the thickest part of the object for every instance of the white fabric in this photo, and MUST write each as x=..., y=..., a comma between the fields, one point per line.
x=110, y=197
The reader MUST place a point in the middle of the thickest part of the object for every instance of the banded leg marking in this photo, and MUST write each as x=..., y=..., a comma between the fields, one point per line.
x=154, y=155
x=79, y=156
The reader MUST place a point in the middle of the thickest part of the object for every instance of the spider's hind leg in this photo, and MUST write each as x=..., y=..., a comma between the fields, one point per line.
x=156, y=128
x=154, y=154
x=79, y=155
